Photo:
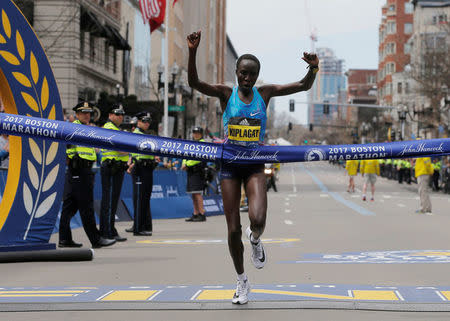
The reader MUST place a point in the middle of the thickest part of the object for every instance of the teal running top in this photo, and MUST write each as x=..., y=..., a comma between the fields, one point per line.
x=245, y=124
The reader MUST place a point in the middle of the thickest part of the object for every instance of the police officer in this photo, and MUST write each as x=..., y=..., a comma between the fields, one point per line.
x=196, y=181
x=113, y=167
x=79, y=189
x=141, y=166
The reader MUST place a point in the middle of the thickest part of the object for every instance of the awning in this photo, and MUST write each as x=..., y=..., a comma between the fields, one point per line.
x=89, y=22
x=116, y=39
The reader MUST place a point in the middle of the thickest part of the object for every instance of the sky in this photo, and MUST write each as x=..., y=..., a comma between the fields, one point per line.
x=277, y=32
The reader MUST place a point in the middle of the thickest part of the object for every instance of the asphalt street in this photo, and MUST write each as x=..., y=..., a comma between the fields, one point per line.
x=331, y=256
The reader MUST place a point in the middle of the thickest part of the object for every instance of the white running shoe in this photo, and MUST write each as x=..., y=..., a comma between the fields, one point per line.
x=258, y=253
x=242, y=291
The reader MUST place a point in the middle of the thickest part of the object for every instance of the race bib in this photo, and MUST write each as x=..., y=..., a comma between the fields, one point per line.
x=244, y=129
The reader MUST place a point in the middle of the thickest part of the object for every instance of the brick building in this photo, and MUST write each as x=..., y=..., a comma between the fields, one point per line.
x=395, y=29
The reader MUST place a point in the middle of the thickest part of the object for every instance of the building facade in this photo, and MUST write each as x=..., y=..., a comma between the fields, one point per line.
x=393, y=52
x=84, y=44
x=330, y=87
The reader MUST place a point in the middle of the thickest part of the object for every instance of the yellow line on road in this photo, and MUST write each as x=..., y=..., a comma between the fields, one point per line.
x=129, y=295
x=41, y=291
x=367, y=295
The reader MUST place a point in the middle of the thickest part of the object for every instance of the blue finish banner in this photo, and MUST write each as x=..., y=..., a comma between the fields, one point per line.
x=227, y=153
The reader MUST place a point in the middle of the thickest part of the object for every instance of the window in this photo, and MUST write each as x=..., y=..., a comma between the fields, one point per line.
x=82, y=44
x=106, y=55
x=371, y=79
x=406, y=87
x=114, y=60
x=399, y=88
x=408, y=28
x=407, y=48
x=392, y=8
x=391, y=27
x=442, y=18
x=91, y=48
x=409, y=8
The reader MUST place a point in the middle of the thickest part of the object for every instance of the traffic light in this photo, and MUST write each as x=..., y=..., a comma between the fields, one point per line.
x=291, y=105
x=305, y=141
x=311, y=127
x=290, y=126
x=326, y=107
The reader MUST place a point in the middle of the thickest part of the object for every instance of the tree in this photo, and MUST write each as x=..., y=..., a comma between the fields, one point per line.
x=430, y=69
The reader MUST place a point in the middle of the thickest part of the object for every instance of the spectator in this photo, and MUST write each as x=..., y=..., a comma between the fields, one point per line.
x=423, y=172
x=352, y=169
x=370, y=168
x=4, y=150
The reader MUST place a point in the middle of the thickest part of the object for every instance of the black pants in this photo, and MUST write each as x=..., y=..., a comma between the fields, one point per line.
x=408, y=175
x=142, y=192
x=79, y=196
x=436, y=176
x=111, y=187
x=401, y=175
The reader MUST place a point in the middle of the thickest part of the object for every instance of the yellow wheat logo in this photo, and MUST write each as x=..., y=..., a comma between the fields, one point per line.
x=35, y=93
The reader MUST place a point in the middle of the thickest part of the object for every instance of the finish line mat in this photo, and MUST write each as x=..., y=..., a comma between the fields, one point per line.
x=399, y=298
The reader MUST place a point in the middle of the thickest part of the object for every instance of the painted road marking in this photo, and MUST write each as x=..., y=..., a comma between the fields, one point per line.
x=379, y=257
x=287, y=211
x=288, y=222
x=336, y=196
x=441, y=296
x=401, y=205
x=41, y=293
x=196, y=242
x=223, y=293
x=361, y=295
x=129, y=295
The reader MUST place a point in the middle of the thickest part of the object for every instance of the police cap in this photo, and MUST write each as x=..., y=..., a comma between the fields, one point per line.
x=84, y=107
x=197, y=129
x=143, y=116
x=117, y=110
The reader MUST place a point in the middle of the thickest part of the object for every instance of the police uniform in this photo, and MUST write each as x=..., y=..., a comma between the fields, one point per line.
x=79, y=192
x=195, y=179
x=142, y=186
x=113, y=166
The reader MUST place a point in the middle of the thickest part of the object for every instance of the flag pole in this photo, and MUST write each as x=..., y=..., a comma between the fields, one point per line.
x=166, y=74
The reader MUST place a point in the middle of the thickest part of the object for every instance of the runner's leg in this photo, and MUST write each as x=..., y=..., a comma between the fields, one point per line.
x=231, y=195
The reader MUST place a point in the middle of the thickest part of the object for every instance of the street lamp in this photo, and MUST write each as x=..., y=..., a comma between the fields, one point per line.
x=118, y=92
x=364, y=131
x=375, y=127
x=174, y=72
x=402, y=110
x=170, y=88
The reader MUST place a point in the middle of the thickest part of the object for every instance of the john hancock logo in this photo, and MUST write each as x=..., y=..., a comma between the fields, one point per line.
x=147, y=144
x=314, y=154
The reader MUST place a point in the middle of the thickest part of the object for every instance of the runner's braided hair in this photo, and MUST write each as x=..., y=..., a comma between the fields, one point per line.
x=250, y=57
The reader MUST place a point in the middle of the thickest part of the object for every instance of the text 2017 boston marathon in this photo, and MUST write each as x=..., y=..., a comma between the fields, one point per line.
x=358, y=152
x=30, y=126
x=189, y=150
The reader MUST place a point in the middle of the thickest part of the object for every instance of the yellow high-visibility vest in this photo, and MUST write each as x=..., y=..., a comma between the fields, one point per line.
x=87, y=153
x=112, y=154
x=191, y=162
x=140, y=156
